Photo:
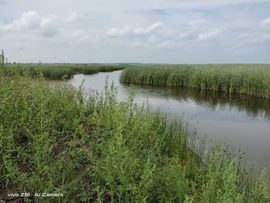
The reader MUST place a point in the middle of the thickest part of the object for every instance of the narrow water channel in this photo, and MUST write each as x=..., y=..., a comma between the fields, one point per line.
x=240, y=122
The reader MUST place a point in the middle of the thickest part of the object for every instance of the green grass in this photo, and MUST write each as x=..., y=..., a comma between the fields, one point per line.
x=233, y=79
x=58, y=71
x=93, y=149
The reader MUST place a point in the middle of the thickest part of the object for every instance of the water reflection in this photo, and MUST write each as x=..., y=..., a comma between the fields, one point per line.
x=253, y=107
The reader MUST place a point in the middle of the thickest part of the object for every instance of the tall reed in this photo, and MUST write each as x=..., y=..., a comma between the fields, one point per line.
x=244, y=79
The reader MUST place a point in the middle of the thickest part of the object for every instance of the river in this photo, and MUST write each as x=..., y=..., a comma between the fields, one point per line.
x=240, y=122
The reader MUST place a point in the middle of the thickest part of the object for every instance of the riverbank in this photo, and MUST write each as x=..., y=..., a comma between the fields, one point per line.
x=57, y=71
x=54, y=140
x=249, y=79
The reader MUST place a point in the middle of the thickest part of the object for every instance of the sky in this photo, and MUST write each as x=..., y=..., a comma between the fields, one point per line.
x=141, y=31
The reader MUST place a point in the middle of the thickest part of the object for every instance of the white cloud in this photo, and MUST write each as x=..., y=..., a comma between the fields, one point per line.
x=255, y=38
x=211, y=34
x=81, y=36
x=166, y=36
x=151, y=28
x=129, y=30
x=159, y=35
x=78, y=34
x=200, y=30
x=153, y=39
x=97, y=28
x=75, y=16
x=166, y=44
x=139, y=45
x=49, y=25
x=28, y=21
x=49, y=21
x=199, y=23
x=119, y=32
x=118, y=5
x=187, y=35
x=170, y=44
x=32, y=21
x=266, y=23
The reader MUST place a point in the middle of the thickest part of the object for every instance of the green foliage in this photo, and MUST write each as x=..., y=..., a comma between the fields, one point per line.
x=244, y=79
x=93, y=149
x=221, y=180
x=57, y=71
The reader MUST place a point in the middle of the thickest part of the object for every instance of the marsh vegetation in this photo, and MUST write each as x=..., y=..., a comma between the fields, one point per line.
x=93, y=148
x=249, y=79
x=57, y=71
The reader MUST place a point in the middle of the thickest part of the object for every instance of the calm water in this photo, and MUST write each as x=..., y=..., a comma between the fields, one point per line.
x=239, y=122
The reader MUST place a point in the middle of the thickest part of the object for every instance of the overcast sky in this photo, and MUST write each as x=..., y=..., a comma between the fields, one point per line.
x=147, y=31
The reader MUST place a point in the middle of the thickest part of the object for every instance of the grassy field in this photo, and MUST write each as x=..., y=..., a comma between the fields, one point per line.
x=58, y=71
x=54, y=139
x=244, y=79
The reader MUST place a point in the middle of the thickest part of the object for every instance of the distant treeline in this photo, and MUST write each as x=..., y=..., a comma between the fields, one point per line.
x=58, y=71
x=249, y=79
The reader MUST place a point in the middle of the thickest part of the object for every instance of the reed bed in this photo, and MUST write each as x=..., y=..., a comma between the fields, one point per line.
x=57, y=71
x=249, y=79
x=91, y=148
